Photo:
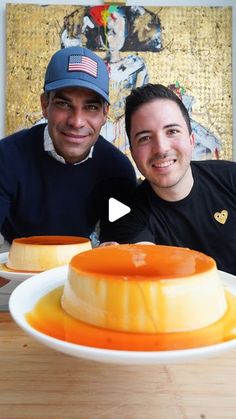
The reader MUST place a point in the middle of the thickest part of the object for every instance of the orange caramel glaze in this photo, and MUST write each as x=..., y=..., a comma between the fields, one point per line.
x=55, y=240
x=48, y=317
x=141, y=261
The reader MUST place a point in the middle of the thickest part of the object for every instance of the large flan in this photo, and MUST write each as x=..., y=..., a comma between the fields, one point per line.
x=144, y=289
x=39, y=253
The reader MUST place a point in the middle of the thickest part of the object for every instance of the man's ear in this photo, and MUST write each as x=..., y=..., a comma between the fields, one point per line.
x=105, y=112
x=192, y=139
x=44, y=104
x=106, y=108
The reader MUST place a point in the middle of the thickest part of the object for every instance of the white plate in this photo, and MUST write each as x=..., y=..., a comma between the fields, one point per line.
x=12, y=275
x=30, y=291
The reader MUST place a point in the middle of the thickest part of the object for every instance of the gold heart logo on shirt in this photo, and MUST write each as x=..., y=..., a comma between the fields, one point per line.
x=221, y=217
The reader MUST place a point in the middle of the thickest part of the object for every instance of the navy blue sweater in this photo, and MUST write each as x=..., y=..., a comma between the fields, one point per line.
x=40, y=195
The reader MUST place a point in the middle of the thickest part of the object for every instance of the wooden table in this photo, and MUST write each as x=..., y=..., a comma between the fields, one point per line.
x=37, y=382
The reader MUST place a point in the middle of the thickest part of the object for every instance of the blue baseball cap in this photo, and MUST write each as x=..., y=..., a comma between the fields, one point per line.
x=77, y=67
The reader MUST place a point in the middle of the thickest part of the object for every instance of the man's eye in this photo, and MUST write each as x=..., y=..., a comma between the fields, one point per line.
x=62, y=104
x=92, y=107
x=143, y=140
x=173, y=131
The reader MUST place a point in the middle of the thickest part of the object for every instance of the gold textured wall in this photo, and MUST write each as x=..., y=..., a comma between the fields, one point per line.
x=197, y=52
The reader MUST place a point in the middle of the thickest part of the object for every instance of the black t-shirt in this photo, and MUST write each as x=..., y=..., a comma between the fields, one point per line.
x=205, y=220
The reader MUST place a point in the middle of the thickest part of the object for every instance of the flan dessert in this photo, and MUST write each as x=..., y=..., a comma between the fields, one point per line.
x=144, y=289
x=39, y=253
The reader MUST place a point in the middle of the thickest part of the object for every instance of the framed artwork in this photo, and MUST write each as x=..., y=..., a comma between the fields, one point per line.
x=188, y=49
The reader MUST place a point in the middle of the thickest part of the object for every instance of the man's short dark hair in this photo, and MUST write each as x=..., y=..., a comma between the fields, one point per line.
x=149, y=93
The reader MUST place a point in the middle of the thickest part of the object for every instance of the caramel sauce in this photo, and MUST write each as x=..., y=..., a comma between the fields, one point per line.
x=49, y=318
x=142, y=260
x=55, y=240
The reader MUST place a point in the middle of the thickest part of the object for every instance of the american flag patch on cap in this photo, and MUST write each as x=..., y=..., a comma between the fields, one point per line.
x=82, y=63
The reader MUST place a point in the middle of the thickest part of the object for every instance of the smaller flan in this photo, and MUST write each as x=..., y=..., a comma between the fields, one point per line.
x=39, y=253
x=144, y=289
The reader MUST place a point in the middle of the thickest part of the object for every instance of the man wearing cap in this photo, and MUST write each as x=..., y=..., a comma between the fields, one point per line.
x=56, y=178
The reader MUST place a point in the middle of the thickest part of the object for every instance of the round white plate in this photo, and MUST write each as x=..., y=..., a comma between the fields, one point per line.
x=12, y=275
x=30, y=291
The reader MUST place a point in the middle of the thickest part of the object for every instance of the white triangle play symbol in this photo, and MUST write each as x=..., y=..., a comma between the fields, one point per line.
x=117, y=209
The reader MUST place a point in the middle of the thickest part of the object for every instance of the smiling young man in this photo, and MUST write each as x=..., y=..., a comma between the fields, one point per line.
x=56, y=178
x=181, y=202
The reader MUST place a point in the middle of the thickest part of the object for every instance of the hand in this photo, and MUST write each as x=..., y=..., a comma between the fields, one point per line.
x=115, y=243
x=108, y=244
x=145, y=243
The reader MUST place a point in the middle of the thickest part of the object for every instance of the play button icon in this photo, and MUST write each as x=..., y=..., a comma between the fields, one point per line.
x=117, y=209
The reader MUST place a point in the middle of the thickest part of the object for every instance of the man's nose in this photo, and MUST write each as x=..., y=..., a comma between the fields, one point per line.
x=160, y=144
x=76, y=118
